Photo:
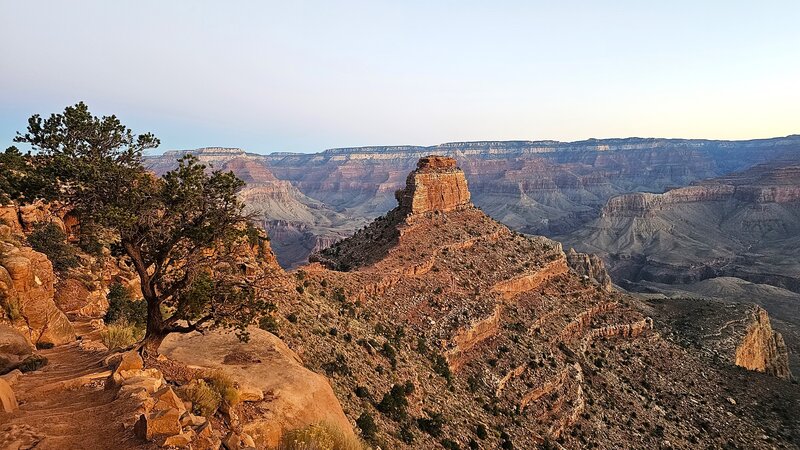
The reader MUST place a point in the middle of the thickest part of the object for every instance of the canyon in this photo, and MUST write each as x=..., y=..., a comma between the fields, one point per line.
x=537, y=187
x=432, y=326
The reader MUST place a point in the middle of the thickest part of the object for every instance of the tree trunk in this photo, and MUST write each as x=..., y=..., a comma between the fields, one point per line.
x=151, y=343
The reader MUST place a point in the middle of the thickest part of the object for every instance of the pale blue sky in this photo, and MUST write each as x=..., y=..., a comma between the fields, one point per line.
x=309, y=75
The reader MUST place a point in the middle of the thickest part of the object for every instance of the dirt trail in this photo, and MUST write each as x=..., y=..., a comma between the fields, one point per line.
x=64, y=405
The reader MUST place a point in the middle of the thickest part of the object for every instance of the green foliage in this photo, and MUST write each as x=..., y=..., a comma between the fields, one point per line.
x=406, y=434
x=44, y=345
x=338, y=365
x=431, y=424
x=123, y=307
x=120, y=334
x=49, y=239
x=181, y=231
x=366, y=424
x=11, y=306
x=450, y=445
x=394, y=403
x=390, y=353
x=269, y=323
x=223, y=385
x=481, y=431
x=16, y=176
x=208, y=392
x=441, y=367
x=31, y=363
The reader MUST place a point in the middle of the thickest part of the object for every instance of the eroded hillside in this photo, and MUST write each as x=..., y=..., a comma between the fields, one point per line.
x=439, y=326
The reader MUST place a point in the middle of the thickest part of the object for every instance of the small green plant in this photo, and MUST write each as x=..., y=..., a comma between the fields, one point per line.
x=120, y=334
x=268, y=323
x=394, y=403
x=224, y=386
x=441, y=367
x=122, y=306
x=51, y=240
x=12, y=307
x=390, y=353
x=367, y=426
x=481, y=431
x=450, y=445
x=44, y=345
x=431, y=424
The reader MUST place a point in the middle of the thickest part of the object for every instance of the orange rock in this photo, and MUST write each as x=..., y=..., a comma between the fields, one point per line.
x=299, y=397
x=7, y=398
x=436, y=185
x=167, y=399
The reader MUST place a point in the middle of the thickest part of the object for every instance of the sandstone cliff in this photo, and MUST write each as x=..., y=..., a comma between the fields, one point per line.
x=26, y=292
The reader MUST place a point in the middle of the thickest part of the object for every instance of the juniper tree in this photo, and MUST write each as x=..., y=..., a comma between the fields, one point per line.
x=181, y=231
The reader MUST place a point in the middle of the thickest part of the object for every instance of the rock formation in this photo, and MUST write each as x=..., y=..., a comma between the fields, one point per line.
x=537, y=187
x=488, y=326
x=26, y=293
x=288, y=395
x=762, y=349
x=436, y=185
x=734, y=334
x=590, y=267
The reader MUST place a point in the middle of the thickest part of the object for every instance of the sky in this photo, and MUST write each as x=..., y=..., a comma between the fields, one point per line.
x=304, y=76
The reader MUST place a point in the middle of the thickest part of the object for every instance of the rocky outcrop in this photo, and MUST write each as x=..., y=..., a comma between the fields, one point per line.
x=27, y=291
x=762, y=349
x=293, y=396
x=735, y=334
x=590, y=267
x=14, y=348
x=436, y=185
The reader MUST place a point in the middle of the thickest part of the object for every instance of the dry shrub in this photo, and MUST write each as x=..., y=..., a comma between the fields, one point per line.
x=205, y=400
x=209, y=391
x=223, y=385
x=320, y=437
x=120, y=334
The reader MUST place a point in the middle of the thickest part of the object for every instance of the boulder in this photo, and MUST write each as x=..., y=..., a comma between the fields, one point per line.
x=179, y=440
x=295, y=396
x=14, y=348
x=167, y=399
x=158, y=424
x=8, y=401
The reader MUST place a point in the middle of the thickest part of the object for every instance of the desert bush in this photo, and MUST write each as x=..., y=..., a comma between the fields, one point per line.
x=49, y=239
x=394, y=403
x=366, y=424
x=44, y=345
x=205, y=400
x=122, y=306
x=31, y=363
x=431, y=424
x=224, y=386
x=120, y=334
x=450, y=445
x=12, y=307
x=320, y=437
x=269, y=323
